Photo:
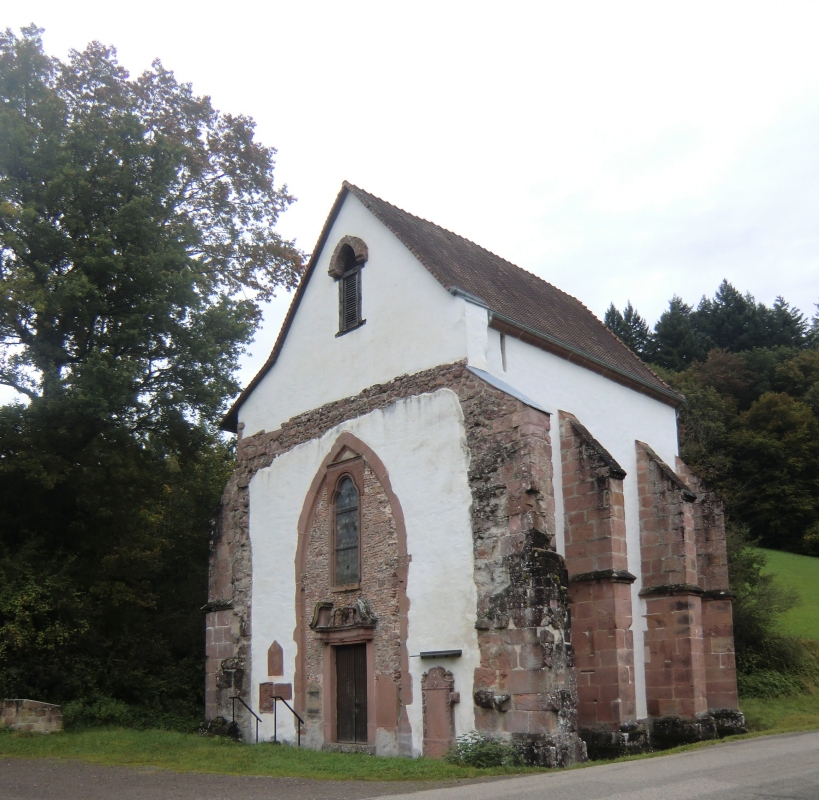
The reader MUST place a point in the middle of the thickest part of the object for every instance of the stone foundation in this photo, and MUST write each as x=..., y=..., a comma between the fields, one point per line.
x=30, y=715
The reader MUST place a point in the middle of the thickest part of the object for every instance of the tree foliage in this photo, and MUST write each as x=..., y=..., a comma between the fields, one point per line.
x=749, y=427
x=132, y=218
x=137, y=235
x=750, y=423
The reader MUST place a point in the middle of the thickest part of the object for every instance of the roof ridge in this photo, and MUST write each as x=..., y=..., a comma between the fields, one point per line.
x=523, y=309
x=358, y=191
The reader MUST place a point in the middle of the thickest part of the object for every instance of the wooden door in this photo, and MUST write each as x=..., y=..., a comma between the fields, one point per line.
x=351, y=693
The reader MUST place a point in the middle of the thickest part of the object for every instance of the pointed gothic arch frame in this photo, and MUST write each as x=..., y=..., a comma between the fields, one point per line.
x=382, y=711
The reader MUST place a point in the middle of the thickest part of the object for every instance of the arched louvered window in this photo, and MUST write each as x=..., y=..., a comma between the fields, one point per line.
x=348, y=258
x=349, y=289
x=347, y=533
x=350, y=299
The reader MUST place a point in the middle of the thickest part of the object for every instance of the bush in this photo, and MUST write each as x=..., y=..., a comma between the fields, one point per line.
x=475, y=749
x=768, y=684
x=101, y=711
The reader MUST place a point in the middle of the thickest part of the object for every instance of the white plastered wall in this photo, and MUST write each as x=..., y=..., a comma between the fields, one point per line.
x=429, y=477
x=412, y=324
x=616, y=416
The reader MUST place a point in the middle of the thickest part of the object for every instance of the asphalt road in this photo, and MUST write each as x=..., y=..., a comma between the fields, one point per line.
x=769, y=768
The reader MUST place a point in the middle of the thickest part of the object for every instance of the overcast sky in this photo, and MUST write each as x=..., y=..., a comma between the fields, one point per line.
x=619, y=150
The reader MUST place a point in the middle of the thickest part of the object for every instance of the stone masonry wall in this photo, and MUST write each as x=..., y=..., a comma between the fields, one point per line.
x=378, y=585
x=675, y=666
x=599, y=587
x=31, y=716
x=525, y=687
x=717, y=618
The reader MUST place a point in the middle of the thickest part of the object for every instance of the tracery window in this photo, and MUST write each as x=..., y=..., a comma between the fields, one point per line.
x=346, y=533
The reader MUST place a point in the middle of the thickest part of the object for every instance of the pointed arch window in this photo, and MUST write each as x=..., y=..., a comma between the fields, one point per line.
x=347, y=530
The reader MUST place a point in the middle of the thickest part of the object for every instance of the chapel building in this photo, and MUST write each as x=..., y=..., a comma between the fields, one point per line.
x=458, y=505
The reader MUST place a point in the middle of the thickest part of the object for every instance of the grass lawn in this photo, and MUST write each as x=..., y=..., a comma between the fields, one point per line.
x=802, y=574
x=781, y=714
x=184, y=752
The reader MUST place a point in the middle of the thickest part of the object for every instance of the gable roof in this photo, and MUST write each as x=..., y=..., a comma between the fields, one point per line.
x=519, y=302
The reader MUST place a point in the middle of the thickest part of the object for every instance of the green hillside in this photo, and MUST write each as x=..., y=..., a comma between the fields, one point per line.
x=802, y=574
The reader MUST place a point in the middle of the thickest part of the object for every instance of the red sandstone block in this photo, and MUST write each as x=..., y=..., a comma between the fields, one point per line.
x=516, y=721
x=487, y=720
x=542, y=722
x=587, y=713
x=579, y=566
x=671, y=708
x=485, y=678
x=606, y=712
x=528, y=702
x=527, y=681
x=530, y=416
x=520, y=636
x=655, y=679
x=572, y=504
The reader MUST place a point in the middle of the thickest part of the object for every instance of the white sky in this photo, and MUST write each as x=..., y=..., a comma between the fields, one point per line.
x=620, y=150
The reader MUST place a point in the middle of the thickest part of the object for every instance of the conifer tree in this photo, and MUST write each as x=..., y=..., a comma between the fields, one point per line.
x=631, y=328
x=677, y=344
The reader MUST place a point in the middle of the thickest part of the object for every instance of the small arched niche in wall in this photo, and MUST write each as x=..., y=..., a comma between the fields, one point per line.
x=348, y=258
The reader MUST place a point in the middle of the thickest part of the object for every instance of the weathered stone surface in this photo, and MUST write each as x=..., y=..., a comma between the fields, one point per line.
x=437, y=693
x=717, y=617
x=603, y=742
x=30, y=715
x=600, y=585
x=219, y=726
x=675, y=663
x=371, y=605
x=522, y=582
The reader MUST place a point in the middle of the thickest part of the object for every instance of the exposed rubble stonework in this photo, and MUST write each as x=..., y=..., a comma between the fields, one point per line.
x=367, y=612
x=522, y=613
x=543, y=624
x=600, y=591
x=525, y=687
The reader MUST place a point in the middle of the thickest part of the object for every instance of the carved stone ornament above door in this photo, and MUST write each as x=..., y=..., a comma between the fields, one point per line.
x=328, y=617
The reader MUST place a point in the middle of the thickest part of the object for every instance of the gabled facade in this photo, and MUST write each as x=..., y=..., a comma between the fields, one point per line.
x=453, y=509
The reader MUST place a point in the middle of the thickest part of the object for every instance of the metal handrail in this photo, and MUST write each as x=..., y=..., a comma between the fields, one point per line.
x=258, y=718
x=276, y=699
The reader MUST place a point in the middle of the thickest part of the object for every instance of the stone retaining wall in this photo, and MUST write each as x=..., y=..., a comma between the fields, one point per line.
x=31, y=715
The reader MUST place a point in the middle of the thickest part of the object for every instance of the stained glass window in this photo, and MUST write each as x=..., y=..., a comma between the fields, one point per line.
x=346, y=532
